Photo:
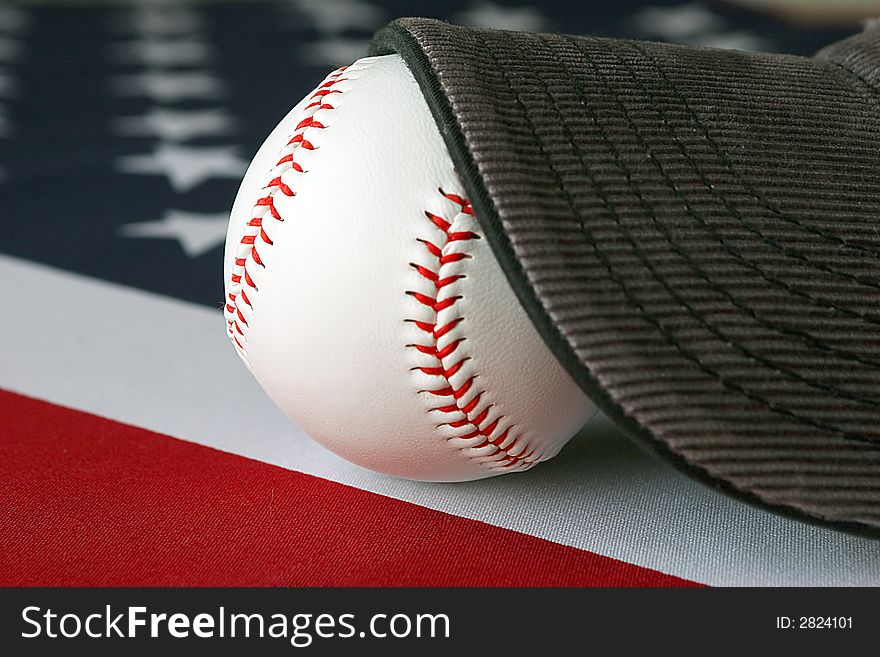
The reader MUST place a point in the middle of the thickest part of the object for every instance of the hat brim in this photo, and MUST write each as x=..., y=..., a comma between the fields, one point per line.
x=696, y=235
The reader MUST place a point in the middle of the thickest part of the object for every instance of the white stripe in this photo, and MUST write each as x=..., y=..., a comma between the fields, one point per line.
x=167, y=366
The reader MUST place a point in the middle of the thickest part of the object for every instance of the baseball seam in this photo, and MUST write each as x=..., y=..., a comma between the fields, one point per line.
x=493, y=442
x=487, y=437
x=241, y=288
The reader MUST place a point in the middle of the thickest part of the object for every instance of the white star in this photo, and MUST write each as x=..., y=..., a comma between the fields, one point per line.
x=175, y=125
x=334, y=51
x=161, y=52
x=12, y=20
x=500, y=17
x=341, y=15
x=159, y=21
x=197, y=232
x=9, y=49
x=8, y=85
x=185, y=166
x=679, y=22
x=165, y=86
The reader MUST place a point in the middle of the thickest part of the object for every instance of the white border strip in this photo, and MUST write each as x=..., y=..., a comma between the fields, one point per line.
x=167, y=366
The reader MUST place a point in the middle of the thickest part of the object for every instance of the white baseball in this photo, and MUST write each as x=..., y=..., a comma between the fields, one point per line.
x=360, y=293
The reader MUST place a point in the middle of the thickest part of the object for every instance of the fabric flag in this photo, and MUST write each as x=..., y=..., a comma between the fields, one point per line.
x=136, y=450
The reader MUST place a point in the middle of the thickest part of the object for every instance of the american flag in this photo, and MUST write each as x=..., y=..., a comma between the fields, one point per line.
x=135, y=449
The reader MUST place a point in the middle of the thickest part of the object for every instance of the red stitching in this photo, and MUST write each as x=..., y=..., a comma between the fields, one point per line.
x=255, y=228
x=473, y=426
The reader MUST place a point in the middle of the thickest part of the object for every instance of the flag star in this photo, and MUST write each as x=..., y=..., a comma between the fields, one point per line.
x=176, y=125
x=12, y=20
x=166, y=86
x=9, y=49
x=197, y=232
x=337, y=17
x=488, y=14
x=678, y=22
x=335, y=50
x=159, y=21
x=186, y=166
x=161, y=52
x=8, y=85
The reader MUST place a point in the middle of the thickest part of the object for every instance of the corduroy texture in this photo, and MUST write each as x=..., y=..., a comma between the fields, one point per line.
x=696, y=234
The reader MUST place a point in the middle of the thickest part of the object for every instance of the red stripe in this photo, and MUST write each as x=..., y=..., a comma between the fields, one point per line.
x=88, y=501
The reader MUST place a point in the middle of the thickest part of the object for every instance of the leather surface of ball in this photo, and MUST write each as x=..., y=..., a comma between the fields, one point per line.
x=363, y=297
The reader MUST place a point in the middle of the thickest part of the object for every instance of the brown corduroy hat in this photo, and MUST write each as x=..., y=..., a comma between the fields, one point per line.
x=696, y=235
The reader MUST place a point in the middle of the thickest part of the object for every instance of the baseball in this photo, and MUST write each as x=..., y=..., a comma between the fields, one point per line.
x=363, y=297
